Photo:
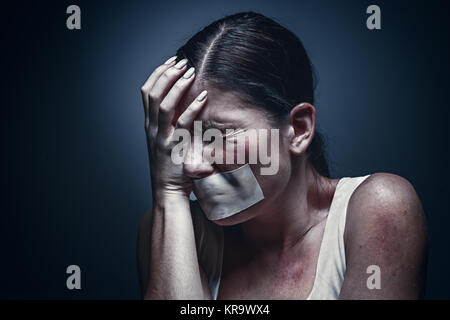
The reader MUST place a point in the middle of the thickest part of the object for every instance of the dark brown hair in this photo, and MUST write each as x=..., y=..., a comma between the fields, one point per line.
x=265, y=63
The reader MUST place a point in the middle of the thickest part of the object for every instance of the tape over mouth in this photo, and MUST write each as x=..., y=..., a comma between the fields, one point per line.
x=225, y=194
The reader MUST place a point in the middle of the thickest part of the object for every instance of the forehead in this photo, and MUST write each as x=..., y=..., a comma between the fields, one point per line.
x=222, y=107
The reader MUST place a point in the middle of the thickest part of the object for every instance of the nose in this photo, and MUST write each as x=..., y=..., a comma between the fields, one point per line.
x=197, y=167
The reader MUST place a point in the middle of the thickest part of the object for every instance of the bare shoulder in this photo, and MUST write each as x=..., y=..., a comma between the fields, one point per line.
x=385, y=199
x=385, y=227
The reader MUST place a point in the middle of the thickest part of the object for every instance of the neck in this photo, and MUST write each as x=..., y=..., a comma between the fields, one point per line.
x=297, y=208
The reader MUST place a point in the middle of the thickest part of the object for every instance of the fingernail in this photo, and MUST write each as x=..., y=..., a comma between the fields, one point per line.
x=189, y=73
x=170, y=60
x=181, y=64
x=202, y=95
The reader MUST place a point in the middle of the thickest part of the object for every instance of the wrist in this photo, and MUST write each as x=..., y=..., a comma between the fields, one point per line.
x=162, y=191
x=170, y=197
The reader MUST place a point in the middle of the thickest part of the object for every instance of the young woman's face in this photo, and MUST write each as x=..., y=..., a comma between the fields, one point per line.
x=251, y=130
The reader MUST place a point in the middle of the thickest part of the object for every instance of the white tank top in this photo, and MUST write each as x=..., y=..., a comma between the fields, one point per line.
x=331, y=263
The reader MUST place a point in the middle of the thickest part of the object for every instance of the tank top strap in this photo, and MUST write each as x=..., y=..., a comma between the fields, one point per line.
x=331, y=264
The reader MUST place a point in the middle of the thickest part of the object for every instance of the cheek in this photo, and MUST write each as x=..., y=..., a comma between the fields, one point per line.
x=272, y=184
x=261, y=148
x=236, y=153
x=255, y=148
x=229, y=157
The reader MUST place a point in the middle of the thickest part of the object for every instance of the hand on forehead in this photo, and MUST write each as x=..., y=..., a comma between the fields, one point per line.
x=223, y=107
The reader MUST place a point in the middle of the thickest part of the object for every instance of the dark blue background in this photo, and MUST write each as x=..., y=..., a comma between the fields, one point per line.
x=75, y=175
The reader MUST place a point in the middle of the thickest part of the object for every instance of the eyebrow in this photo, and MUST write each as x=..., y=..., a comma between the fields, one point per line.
x=211, y=124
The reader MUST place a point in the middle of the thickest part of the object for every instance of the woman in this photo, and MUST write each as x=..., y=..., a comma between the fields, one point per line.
x=308, y=236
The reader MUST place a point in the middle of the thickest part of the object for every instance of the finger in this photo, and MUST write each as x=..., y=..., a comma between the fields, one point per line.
x=170, y=102
x=188, y=116
x=149, y=83
x=162, y=85
x=145, y=89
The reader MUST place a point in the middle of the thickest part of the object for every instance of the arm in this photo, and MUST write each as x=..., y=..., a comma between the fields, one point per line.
x=168, y=263
x=143, y=256
x=385, y=227
x=144, y=243
x=174, y=268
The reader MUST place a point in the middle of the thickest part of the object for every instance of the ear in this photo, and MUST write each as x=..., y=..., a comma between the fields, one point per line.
x=302, y=120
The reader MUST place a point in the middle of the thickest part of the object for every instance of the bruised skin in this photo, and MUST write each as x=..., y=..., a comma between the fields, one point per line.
x=251, y=273
x=386, y=227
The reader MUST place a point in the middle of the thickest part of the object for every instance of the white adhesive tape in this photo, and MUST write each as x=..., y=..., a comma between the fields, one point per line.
x=225, y=194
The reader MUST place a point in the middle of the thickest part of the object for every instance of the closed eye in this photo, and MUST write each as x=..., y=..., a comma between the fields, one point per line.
x=234, y=133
